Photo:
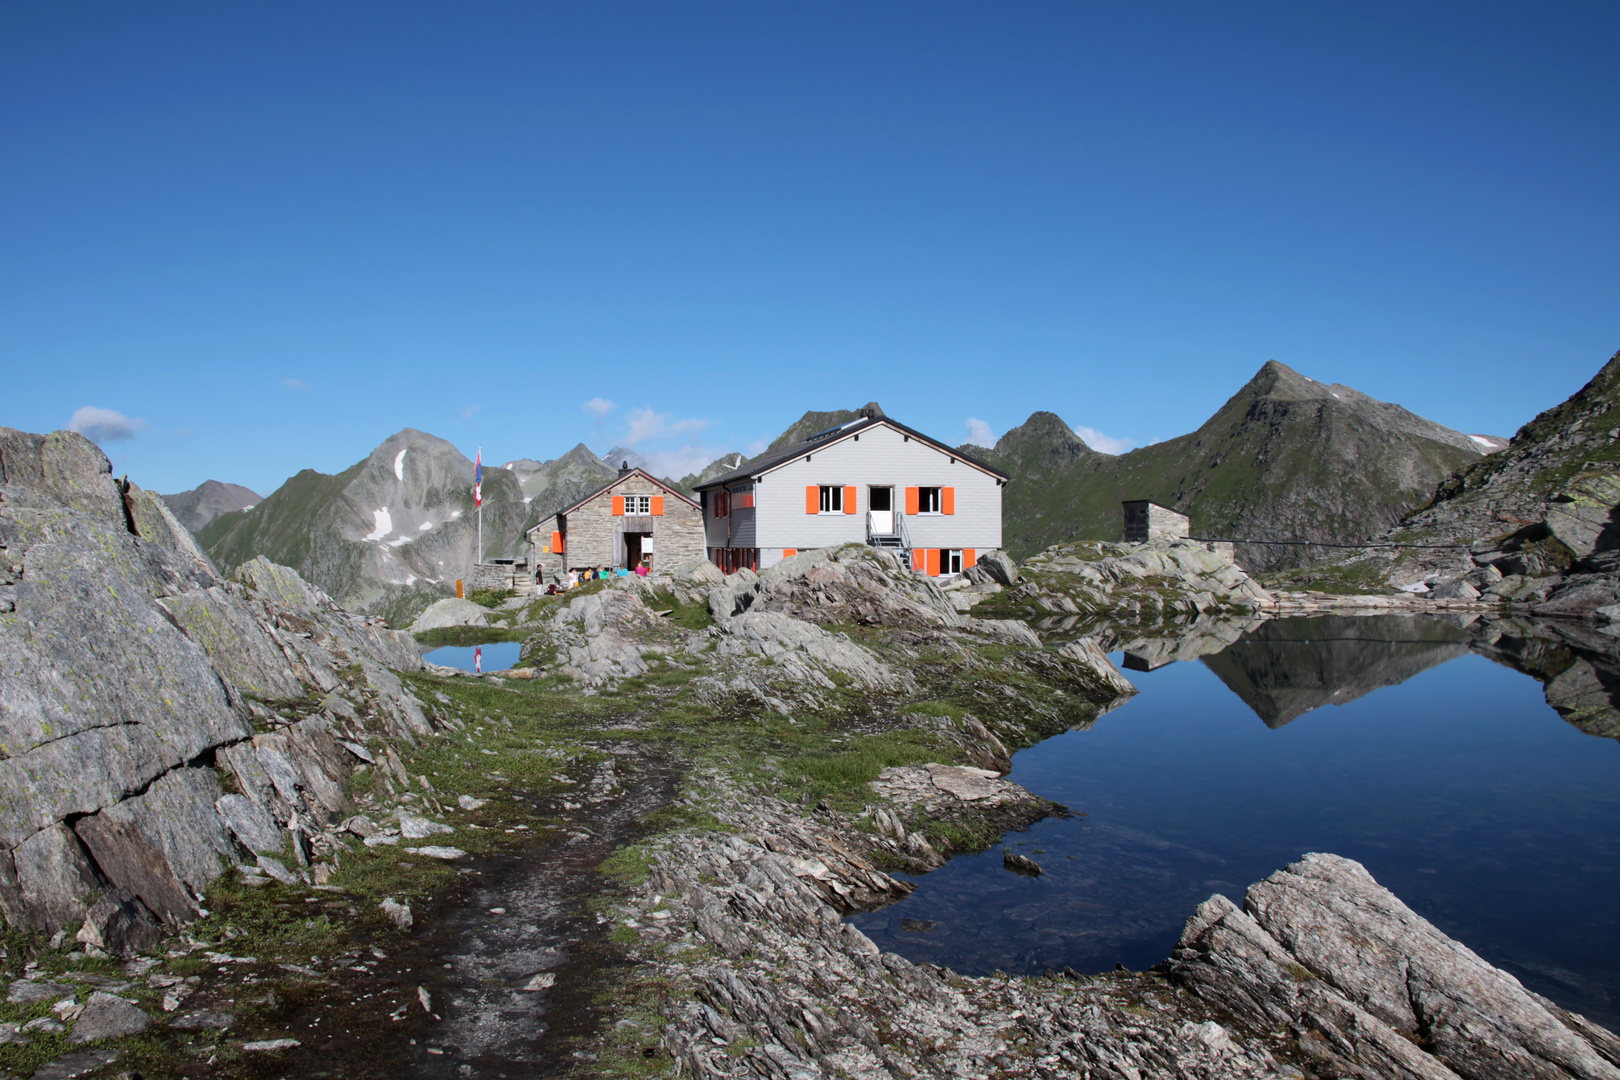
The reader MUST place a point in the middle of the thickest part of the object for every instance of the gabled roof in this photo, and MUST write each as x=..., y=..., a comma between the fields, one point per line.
x=775, y=459
x=621, y=478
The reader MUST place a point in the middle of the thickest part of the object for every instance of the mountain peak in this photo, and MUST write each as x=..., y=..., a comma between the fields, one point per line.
x=207, y=501
x=813, y=422
x=1043, y=440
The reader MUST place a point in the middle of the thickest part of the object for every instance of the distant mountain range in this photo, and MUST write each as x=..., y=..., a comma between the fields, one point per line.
x=1286, y=458
x=208, y=500
x=386, y=536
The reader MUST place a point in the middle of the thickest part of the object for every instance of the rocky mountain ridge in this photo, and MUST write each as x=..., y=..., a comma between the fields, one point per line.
x=207, y=501
x=386, y=536
x=1533, y=525
x=1285, y=458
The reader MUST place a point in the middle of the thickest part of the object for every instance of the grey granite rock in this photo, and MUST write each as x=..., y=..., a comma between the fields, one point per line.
x=28, y=991
x=119, y=924
x=1323, y=946
x=107, y=1016
x=74, y=1066
x=128, y=668
x=253, y=828
x=450, y=612
x=995, y=566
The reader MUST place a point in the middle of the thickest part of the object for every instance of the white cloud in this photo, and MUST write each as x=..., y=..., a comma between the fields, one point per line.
x=646, y=424
x=1105, y=443
x=979, y=433
x=676, y=463
x=470, y=411
x=295, y=384
x=105, y=425
x=598, y=407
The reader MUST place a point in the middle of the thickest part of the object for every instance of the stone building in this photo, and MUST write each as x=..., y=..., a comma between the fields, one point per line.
x=1145, y=520
x=631, y=520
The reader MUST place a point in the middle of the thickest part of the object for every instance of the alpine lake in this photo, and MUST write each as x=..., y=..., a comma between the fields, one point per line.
x=1471, y=765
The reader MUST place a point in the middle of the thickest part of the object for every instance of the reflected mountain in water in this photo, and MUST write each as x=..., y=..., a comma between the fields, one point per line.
x=1284, y=668
x=1150, y=646
x=1577, y=663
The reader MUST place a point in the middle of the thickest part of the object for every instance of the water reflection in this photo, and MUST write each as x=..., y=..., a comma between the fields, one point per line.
x=1442, y=768
x=1286, y=668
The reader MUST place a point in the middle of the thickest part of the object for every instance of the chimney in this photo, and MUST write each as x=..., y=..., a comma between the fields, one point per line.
x=624, y=467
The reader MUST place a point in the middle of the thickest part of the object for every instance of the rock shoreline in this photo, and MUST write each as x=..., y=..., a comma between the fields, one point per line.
x=1320, y=973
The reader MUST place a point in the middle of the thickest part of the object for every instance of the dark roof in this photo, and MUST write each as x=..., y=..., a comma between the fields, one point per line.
x=622, y=476
x=768, y=461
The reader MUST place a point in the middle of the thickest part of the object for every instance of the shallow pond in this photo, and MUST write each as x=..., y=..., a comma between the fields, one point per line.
x=497, y=656
x=1446, y=774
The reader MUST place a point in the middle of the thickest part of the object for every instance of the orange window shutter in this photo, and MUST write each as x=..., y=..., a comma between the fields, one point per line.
x=849, y=500
x=911, y=501
x=556, y=543
x=933, y=562
x=788, y=553
x=919, y=560
x=947, y=500
x=618, y=506
x=969, y=557
x=658, y=506
x=812, y=499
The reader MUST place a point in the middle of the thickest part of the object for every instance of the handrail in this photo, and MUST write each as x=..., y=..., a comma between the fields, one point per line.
x=900, y=528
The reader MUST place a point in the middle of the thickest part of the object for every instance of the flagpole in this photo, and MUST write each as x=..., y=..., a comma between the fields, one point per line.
x=480, y=512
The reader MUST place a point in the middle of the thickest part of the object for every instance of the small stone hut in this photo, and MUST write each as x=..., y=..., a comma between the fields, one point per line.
x=634, y=519
x=1146, y=520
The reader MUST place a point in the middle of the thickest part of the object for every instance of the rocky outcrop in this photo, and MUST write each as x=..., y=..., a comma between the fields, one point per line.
x=1370, y=988
x=599, y=638
x=450, y=612
x=1163, y=579
x=130, y=670
x=1321, y=973
x=853, y=583
x=786, y=664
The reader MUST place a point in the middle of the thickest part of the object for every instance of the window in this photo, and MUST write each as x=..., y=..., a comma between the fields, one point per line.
x=832, y=499
x=952, y=562
x=638, y=504
x=722, y=500
x=928, y=500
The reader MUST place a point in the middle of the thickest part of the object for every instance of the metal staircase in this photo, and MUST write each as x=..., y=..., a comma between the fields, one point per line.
x=898, y=541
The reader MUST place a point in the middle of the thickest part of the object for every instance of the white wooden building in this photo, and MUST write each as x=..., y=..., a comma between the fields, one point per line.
x=871, y=481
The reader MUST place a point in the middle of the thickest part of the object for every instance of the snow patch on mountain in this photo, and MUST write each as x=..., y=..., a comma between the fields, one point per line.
x=382, y=524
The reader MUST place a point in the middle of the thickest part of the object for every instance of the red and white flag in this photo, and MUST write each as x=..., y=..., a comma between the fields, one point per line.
x=478, y=659
x=478, y=480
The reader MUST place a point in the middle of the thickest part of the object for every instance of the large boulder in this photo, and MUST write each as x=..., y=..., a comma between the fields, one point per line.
x=1374, y=988
x=852, y=583
x=125, y=663
x=450, y=612
x=996, y=566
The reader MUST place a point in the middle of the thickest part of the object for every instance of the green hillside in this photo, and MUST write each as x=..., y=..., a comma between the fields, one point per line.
x=1286, y=458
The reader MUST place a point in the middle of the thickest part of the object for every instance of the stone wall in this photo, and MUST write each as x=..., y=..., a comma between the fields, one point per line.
x=1147, y=521
x=594, y=534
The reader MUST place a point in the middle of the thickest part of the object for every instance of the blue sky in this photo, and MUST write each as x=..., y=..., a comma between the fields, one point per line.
x=270, y=235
